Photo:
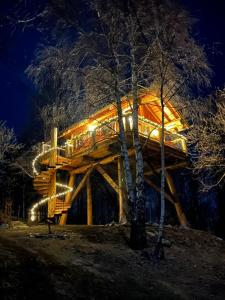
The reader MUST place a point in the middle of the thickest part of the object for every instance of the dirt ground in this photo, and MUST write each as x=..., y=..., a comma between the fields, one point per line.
x=95, y=262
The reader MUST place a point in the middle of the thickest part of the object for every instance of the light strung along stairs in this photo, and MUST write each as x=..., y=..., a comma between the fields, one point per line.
x=42, y=182
x=42, y=185
x=45, y=184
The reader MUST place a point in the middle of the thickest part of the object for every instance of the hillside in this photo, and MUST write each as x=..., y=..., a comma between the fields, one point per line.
x=95, y=262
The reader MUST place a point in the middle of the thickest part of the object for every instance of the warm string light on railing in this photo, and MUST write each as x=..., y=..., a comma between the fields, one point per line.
x=33, y=210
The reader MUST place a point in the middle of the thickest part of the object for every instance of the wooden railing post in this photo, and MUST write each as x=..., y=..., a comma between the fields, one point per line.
x=53, y=153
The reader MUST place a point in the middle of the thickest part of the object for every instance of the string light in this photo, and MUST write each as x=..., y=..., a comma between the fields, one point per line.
x=34, y=208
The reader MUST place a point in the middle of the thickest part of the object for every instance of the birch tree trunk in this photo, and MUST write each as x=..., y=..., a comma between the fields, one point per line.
x=125, y=159
x=159, y=251
x=137, y=233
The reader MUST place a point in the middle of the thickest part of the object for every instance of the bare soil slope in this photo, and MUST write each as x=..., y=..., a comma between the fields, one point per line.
x=95, y=262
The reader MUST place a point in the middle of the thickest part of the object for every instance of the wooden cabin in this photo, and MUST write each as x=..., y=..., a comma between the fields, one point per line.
x=93, y=144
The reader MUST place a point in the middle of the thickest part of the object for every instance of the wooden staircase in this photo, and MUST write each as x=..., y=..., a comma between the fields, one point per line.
x=61, y=206
x=41, y=185
x=42, y=182
x=45, y=182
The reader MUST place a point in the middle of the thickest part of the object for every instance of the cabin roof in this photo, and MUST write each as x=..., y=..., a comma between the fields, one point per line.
x=149, y=108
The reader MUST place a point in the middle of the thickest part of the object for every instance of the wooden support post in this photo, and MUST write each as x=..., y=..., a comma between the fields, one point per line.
x=80, y=185
x=53, y=153
x=180, y=214
x=64, y=215
x=89, y=202
x=52, y=191
x=63, y=218
x=122, y=215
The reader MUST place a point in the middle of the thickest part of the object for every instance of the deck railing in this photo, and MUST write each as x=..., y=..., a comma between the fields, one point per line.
x=93, y=136
x=108, y=130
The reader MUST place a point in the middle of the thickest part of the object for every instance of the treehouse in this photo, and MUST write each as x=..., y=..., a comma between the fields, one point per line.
x=92, y=145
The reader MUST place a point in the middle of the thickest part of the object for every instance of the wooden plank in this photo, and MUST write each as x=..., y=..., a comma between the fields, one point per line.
x=107, y=178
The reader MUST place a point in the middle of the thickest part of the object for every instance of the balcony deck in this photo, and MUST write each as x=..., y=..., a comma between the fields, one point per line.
x=101, y=142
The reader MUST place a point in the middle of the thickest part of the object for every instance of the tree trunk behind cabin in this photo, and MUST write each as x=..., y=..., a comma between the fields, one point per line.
x=126, y=163
x=159, y=253
x=138, y=232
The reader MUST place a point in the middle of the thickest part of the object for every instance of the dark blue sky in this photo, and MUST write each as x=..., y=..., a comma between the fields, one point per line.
x=16, y=53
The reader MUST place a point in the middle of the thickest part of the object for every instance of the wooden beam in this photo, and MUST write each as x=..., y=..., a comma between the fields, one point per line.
x=71, y=185
x=104, y=161
x=64, y=215
x=89, y=202
x=182, y=164
x=107, y=178
x=80, y=185
x=63, y=219
x=180, y=214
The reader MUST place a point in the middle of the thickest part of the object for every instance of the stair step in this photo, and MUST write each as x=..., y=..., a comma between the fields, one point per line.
x=59, y=211
x=37, y=184
x=42, y=187
x=42, y=192
x=62, y=206
x=42, y=177
x=40, y=180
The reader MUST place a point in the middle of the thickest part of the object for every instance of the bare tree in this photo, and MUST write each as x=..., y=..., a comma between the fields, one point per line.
x=8, y=144
x=9, y=149
x=206, y=138
x=55, y=73
x=108, y=76
x=176, y=63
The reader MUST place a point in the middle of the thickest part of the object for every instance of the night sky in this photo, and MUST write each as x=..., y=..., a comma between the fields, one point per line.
x=17, y=50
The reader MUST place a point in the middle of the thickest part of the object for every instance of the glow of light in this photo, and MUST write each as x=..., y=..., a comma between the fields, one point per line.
x=91, y=127
x=168, y=112
x=131, y=122
x=124, y=122
x=155, y=133
x=69, y=143
x=170, y=126
x=33, y=210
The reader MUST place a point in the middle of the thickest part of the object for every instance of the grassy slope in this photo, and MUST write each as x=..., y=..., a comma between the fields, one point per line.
x=95, y=262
